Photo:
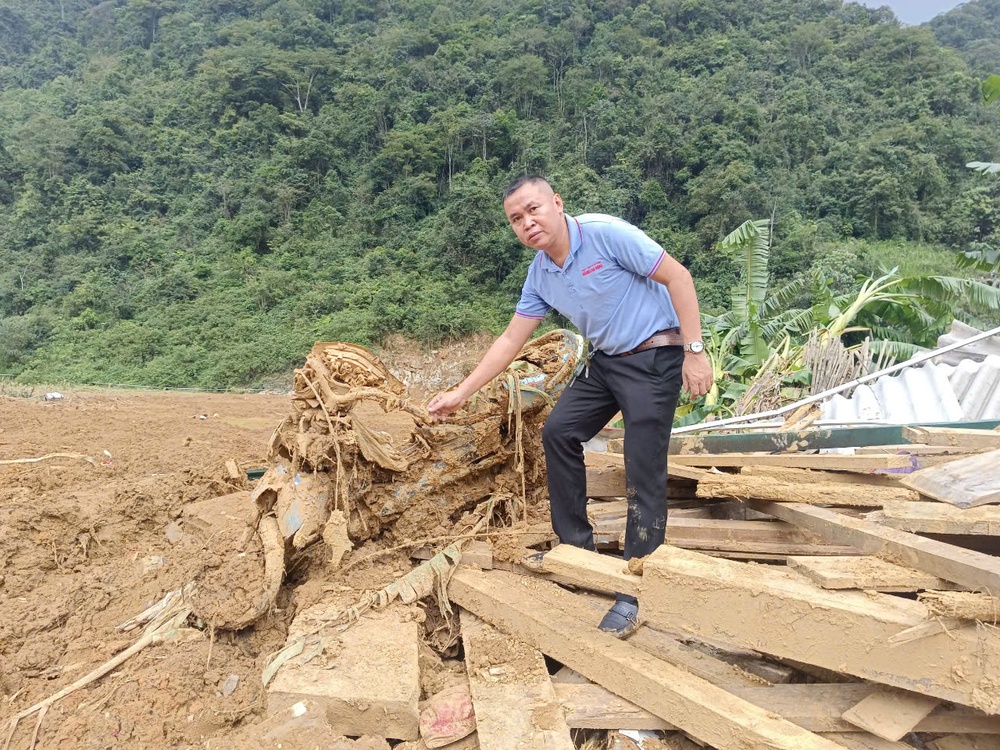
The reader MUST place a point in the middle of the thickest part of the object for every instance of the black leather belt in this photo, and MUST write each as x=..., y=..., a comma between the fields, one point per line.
x=666, y=337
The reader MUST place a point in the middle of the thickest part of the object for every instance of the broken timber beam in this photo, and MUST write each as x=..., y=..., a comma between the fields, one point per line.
x=969, y=568
x=531, y=610
x=785, y=615
x=515, y=704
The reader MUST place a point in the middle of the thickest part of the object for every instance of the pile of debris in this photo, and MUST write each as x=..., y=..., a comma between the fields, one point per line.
x=804, y=600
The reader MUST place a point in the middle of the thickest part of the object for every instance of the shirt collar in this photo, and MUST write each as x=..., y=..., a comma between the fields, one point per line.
x=575, y=240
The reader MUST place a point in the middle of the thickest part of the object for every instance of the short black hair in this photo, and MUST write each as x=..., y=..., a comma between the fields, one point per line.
x=520, y=182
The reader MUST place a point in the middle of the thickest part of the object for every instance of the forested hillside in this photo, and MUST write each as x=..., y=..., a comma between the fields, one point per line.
x=974, y=29
x=193, y=192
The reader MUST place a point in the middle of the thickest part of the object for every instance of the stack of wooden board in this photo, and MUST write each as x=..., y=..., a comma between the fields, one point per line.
x=858, y=657
x=801, y=601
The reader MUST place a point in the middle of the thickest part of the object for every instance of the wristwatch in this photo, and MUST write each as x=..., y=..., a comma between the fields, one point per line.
x=695, y=347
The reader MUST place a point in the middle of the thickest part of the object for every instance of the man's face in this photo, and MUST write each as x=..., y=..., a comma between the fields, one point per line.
x=535, y=214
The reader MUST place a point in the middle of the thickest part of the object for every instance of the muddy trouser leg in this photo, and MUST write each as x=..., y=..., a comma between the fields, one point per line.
x=579, y=414
x=646, y=386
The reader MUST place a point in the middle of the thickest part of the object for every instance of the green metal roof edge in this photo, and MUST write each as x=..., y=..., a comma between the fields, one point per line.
x=780, y=442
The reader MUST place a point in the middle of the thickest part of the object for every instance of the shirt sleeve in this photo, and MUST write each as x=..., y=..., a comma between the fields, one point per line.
x=531, y=304
x=635, y=250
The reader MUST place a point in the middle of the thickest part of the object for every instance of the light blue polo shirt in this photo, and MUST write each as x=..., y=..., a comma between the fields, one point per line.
x=604, y=286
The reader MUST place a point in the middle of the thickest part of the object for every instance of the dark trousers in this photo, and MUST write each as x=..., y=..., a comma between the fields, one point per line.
x=644, y=386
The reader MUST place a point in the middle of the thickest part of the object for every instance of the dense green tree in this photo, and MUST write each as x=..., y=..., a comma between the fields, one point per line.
x=192, y=192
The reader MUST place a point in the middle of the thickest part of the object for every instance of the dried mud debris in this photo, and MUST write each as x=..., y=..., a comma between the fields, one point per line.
x=84, y=548
x=333, y=453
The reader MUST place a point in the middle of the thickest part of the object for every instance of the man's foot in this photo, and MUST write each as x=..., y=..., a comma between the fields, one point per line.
x=534, y=562
x=621, y=620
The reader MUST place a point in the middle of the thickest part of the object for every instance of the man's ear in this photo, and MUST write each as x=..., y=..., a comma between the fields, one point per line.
x=558, y=200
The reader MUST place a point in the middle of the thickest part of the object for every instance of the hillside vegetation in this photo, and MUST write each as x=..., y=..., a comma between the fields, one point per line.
x=193, y=192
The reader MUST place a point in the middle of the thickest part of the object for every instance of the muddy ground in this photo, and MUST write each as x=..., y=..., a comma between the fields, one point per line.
x=86, y=546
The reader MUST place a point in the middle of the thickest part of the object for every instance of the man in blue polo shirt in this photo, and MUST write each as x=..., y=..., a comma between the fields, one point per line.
x=638, y=308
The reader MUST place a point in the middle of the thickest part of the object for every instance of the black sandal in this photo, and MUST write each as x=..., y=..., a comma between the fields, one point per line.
x=621, y=620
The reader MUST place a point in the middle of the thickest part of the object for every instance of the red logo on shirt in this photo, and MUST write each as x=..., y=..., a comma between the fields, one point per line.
x=593, y=267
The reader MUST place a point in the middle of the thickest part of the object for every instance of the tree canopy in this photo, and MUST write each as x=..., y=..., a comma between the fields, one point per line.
x=192, y=193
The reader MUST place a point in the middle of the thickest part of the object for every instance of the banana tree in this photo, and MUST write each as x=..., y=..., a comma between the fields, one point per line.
x=738, y=342
x=740, y=338
x=900, y=313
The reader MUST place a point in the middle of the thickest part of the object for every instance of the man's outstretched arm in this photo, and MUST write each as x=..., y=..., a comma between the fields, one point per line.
x=495, y=361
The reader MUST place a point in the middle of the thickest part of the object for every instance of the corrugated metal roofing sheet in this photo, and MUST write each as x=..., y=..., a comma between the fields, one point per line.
x=969, y=391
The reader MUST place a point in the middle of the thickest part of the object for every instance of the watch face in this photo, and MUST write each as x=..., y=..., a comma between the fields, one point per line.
x=696, y=347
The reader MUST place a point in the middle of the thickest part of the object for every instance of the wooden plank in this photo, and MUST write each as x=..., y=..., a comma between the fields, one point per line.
x=785, y=615
x=715, y=662
x=606, y=482
x=721, y=531
x=520, y=605
x=969, y=568
x=921, y=456
x=867, y=742
x=593, y=571
x=589, y=706
x=926, y=461
x=720, y=534
x=963, y=605
x=818, y=707
x=741, y=486
x=705, y=662
x=609, y=481
x=819, y=476
x=866, y=573
x=940, y=518
x=890, y=714
x=965, y=483
x=613, y=465
x=827, y=461
x=515, y=703
x=952, y=436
